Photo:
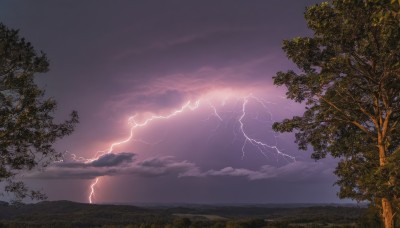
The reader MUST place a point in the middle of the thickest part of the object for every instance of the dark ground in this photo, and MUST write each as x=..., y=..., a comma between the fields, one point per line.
x=72, y=214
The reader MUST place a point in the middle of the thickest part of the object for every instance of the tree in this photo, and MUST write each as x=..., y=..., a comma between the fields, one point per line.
x=348, y=77
x=27, y=128
x=391, y=11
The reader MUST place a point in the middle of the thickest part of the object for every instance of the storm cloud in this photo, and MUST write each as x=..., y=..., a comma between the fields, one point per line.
x=114, y=60
x=123, y=164
x=115, y=164
x=111, y=159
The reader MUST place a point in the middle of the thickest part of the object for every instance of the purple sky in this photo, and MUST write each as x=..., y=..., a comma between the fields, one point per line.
x=111, y=60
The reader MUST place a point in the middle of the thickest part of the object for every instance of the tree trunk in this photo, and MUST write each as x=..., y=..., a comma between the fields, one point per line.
x=387, y=213
x=387, y=210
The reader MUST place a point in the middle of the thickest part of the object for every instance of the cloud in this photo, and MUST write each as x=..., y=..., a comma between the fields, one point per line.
x=116, y=164
x=249, y=174
x=109, y=160
x=106, y=160
x=163, y=42
x=173, y=89
x=163, y=166
x=295, y=171
x=124, y=164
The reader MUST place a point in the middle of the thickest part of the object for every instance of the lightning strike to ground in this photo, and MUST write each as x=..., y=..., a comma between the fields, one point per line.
x=189, y=106
x=92, y=189
x=135, y=124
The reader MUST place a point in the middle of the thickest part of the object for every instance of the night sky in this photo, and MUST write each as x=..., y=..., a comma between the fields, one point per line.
x=120, y=63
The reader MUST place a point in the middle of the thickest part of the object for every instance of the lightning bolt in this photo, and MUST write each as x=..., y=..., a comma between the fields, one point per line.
x=91, y=195
x=263, y=147
x=134, y=125
x=216, y=112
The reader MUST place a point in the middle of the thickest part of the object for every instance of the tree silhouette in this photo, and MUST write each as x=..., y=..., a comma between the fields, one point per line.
x=27, y=128
x=349, y=80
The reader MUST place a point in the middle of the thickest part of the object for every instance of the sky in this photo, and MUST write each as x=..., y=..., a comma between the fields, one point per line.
x=176, y=101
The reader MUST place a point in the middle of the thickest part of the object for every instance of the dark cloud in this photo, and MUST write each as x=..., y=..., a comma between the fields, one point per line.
x=123, y=164
x=106, y=160
x=116, y=164
x=111, y=159
x=165, y=165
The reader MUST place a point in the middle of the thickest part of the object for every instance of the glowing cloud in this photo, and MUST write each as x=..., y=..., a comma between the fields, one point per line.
x=213, y=100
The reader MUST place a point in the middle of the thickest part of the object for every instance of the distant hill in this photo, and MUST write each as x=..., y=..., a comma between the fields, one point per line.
x=67, y=213
x=72, y=214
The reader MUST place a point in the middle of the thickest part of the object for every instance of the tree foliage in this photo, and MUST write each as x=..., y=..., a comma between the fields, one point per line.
x=27, y=128
x=349, y=80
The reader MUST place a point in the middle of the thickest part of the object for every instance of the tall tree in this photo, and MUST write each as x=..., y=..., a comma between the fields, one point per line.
x=348, y=77
x=27, y=128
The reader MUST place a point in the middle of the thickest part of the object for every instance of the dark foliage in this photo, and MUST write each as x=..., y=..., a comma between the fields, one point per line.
x=70, y=214
x=349, y=79
x=27, y=128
